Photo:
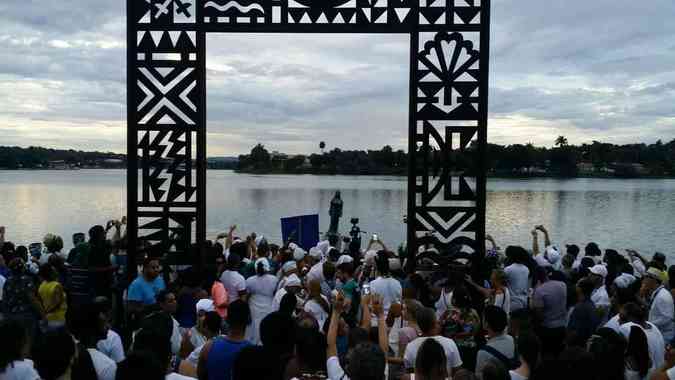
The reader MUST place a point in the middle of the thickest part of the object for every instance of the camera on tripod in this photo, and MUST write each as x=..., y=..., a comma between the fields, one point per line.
x=355, y=233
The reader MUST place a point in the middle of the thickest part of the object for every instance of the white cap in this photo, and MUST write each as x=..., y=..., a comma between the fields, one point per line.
x=293, y=280
x=599, y=270
x=344, y=259
x=292, y=246
x=299, y=254
x=205, y=305
x=259, y=239
x=624, y=281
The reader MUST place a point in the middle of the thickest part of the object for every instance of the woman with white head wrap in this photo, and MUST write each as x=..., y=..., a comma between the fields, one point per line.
x=260, y=288
x=293, y=284
x=289, y=268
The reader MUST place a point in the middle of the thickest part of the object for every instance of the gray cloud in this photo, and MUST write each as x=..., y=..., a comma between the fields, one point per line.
x=590, y=70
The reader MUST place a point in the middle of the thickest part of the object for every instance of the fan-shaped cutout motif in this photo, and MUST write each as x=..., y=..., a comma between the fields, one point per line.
x=449, y=56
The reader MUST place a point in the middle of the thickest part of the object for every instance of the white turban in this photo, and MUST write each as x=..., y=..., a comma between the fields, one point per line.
x=315, y=252
x=289, y=266
x=265, y=264
x=624, y=281
x=323, y=246
x=344, y=259
x=299, y=254
x=293, y=280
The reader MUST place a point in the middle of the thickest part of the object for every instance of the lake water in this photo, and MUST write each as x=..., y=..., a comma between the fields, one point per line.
x=620, y=214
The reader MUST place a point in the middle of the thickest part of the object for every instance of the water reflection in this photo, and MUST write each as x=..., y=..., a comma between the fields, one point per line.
x=620, y=214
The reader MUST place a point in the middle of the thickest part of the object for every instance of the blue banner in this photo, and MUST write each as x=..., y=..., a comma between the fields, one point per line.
x=302, y=230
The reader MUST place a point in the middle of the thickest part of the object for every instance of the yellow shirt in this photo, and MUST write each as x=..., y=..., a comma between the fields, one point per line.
x=49, y=296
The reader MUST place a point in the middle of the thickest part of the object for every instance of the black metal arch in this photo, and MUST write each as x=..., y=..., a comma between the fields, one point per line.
x=166, y=114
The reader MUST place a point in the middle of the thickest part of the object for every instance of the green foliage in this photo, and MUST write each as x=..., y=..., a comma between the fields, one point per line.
x=37, y=157
x=512, y=160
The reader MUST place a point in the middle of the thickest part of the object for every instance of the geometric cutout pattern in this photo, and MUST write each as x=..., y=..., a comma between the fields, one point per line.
x=166, y=78
x=449, y=131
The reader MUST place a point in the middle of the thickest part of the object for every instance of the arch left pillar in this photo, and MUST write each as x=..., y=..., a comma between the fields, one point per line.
x=166, y=130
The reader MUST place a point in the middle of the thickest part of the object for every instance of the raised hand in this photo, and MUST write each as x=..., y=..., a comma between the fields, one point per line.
x=339, y=303
x=378, y=308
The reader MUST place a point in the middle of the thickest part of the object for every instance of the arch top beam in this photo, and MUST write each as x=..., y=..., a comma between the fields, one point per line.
x=308, y=16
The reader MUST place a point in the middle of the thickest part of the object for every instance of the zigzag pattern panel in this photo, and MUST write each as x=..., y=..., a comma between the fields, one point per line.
x=166, y=175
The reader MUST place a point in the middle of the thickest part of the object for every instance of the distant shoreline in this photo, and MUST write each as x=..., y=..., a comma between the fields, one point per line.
x=500, y=175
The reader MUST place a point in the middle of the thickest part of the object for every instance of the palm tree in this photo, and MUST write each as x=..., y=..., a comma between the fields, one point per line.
x=322, y=146
x=561, y=141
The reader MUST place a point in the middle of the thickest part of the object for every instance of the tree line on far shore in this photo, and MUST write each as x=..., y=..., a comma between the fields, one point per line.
x=596, y=159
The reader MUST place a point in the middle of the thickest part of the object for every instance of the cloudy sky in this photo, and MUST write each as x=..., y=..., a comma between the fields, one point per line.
x=589, y=70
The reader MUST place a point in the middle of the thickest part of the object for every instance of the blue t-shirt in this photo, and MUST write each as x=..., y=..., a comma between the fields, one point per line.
x=144, y=291
x=220, y=360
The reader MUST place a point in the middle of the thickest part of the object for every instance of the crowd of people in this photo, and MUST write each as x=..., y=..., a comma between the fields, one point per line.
x=249, y=309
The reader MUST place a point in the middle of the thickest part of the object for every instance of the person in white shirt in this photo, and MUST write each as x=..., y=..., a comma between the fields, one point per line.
x=498, y=294
x=16, y=344
x=384, y=285
x=599, y=296
x=660, y=301
x=111, y=346
x=292, y=284
x=167, y=303
x=317, y=304
x=89, y=326
x=428, y=324
x=632, y=314
x=550, y=257
x=518, y=277
x=232, y=280
x=324, y=272
x=261, y=289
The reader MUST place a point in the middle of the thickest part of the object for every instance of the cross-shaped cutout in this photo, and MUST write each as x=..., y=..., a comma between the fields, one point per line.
x=182, y=8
